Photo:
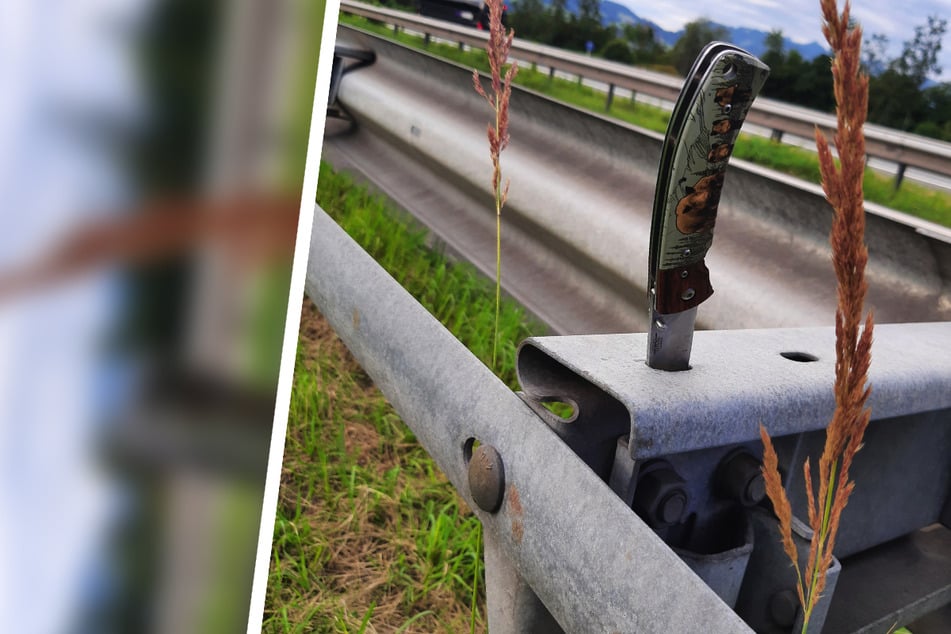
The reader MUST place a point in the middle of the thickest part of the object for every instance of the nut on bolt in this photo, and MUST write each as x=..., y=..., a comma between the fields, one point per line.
x=661, y=498
x=740, y=477
x=784, y=608
x=486, y=478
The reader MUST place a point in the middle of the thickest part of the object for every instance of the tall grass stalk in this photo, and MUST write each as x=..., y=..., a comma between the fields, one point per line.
x=365, y=518
x=843, y=189
x=497, y=49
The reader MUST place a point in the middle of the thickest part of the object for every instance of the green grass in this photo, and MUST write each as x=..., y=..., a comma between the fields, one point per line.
x=369, y=534
x=467, y=310
x=911, y=198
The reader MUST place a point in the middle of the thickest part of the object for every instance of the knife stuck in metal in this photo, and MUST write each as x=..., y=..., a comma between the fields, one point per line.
x=704, y=125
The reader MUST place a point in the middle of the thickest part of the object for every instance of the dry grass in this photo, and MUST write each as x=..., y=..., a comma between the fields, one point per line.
x=497, y=50
x=366, y=528
x=843, y=186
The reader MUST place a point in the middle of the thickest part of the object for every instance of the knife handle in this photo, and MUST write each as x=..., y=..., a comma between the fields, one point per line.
x=700, y=138
x=682, y=288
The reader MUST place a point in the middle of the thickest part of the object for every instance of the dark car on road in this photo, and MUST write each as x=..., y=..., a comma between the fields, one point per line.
x=471, y=13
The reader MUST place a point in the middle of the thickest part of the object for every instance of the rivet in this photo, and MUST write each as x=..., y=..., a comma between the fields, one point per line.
x=688, y=294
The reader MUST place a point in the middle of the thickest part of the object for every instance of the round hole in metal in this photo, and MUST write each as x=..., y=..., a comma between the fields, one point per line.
x=468, y=447
x=801, y=357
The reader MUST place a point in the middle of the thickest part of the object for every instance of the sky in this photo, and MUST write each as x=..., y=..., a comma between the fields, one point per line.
x=801, y=22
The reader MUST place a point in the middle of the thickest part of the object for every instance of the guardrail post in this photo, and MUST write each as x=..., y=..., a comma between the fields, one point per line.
x=512, y=606
x=426, y=39
x=551, y=73
x=610, y=99
x=776, y=136
x=396, y=29
x=900, y=175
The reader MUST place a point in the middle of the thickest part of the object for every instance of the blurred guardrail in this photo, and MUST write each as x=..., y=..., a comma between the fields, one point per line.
x=579, y=208
x=905, y=150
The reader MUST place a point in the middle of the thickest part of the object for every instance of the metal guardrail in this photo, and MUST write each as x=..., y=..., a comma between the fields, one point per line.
x=907, y=150
x=565, y=550
x=578, y=211
x=643, y=510
x=574, y=544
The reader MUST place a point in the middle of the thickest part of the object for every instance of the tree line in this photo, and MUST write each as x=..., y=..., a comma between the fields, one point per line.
x=900, y=95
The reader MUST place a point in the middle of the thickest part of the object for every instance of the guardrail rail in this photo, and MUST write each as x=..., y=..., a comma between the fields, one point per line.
x=643, y=510
x=578, y=214
x=904, y=149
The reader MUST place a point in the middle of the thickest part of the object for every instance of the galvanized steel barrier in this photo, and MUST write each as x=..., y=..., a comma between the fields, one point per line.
x=643, y=510
x=563, y=533
x=907, y=150
x=564, y=549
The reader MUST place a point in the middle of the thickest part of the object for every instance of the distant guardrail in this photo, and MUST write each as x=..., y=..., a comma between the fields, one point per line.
x=581, y=203
x=905, y=150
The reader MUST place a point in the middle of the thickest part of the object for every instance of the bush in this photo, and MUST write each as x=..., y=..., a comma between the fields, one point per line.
x=618, y=50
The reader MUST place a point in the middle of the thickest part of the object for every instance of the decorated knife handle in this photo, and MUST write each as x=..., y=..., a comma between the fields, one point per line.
x=702, y=139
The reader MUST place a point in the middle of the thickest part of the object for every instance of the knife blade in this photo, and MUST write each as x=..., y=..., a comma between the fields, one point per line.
x=704, y=125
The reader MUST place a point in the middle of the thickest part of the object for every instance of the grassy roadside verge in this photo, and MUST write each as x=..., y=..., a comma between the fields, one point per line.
x=369, y=534
x=912, y=198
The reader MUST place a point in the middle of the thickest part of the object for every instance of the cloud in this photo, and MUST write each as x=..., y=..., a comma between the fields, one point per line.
x=801, y=21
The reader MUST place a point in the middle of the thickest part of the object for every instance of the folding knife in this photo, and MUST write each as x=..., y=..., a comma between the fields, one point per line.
x=705, y=122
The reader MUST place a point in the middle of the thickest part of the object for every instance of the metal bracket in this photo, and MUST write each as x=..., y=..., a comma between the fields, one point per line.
x=338, y=69
x=668, y=443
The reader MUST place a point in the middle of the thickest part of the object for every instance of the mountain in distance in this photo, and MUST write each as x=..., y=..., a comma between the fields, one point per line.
x=752, y=40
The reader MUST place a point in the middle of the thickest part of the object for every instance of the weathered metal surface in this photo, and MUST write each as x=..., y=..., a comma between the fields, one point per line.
x=894, y=584
x=903, y=476
x=591, y=561
x=738, y=380
x=514, y=608
x=702, y=425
